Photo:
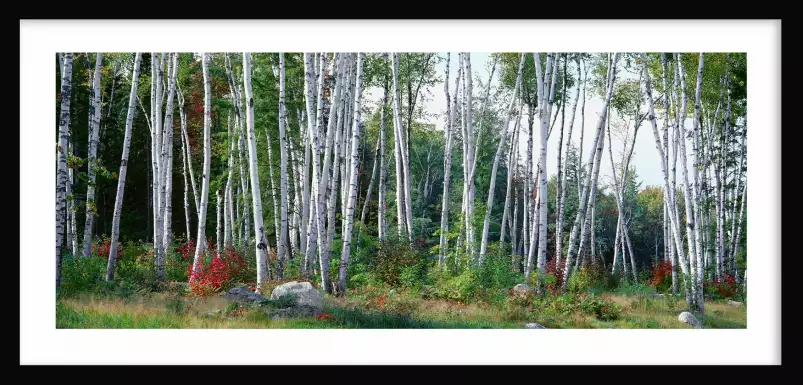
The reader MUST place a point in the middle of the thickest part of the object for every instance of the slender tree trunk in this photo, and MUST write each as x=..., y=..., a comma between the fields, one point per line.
x=201, y=238
x=587, y=187
x=500, y=147
x=451, y=110
x=228, y=221
x=312, y=126
x=381, y=215
x=511, y=167
x=563, y=166
x=61, y=175
x=219, y=219
x=344, y=260
x=263, y=268
x=547, y=93
x=118, y=202
x=370, y=185
x=186, y=191
x=168, y=160
x=282, y=241
x=689, y=197
x=669, y=195
x=92, y=160
x=405, y=166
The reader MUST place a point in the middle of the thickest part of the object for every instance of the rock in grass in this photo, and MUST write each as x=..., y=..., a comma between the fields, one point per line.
x=690, y=319
x=303, y=294
x=243, y=294
x=534, y=326
x=735, y=303
x=521, y=290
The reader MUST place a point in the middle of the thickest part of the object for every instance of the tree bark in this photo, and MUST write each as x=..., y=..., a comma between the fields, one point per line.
x=344, y=260
x=92, y=160
x=61, y=150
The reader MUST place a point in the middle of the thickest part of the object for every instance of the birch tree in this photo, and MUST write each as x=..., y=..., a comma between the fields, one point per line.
x=282, y=240
x=201, y=238
x=502, y=142
x=344, y=260
x=118, y=202
x=451, y=110
x=587, y=190
x=92, y=160
x=263, y=269
x=61, y=150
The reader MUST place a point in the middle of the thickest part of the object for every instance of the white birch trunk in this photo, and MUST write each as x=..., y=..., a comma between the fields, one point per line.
x=168, y=158
x=344, y=259
x=669, y=195
x=92, y=160
x=313, y=225
x=282, y=240
x=408, y=215
x=263, y=268
x=219, y=218
x=689, y=196
x=381, y=215
x=201, y=238
x=563, y=169
x=118, y=202
x=587, y=188
x=61, y=149
x=502, y=142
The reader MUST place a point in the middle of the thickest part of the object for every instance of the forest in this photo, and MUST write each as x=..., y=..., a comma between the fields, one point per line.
x=401, y=190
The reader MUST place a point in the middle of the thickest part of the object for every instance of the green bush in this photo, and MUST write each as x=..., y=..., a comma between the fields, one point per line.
x=462, y=287
x=600, y=308
x=497, y=273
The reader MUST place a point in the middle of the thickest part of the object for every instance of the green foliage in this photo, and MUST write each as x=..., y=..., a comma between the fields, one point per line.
x=462, y=287
x=600, y=308
x=497, y=273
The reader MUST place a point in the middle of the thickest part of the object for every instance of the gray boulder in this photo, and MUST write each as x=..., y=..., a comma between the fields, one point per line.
x=690, y=319
x=243, y=294
x=522, y=289
x=734, y=303
x=303, y=294
x=534, y=326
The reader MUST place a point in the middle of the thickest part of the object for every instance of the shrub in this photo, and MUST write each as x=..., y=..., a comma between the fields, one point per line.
x=392, y=258
x=102, y=247
x=600, y=308
x=724, y=288
x=208, y=279
x=661, y=275
x=497, y=273
x=586, y=277
x=462, y=287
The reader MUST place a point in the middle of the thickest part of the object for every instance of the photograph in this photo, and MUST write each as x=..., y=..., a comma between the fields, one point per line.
x=568, y=190
x=400, y=192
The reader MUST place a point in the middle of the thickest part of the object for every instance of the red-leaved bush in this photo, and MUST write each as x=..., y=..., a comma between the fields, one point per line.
x=725, y=287
x=104, y=247
x=225, y=268
x=661, y=275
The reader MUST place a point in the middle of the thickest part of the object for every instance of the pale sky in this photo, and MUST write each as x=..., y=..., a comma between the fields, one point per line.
x=645, y=156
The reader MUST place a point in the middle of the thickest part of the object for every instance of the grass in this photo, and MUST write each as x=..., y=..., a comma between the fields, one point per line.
x=403, y=311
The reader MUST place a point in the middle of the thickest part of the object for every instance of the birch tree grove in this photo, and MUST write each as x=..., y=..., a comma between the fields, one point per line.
x=490, y=208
